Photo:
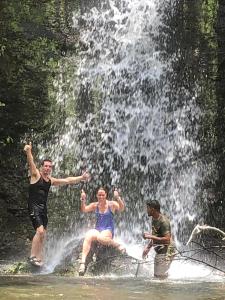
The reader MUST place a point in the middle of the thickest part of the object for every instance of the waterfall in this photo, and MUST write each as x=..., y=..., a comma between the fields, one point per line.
x=124, y=122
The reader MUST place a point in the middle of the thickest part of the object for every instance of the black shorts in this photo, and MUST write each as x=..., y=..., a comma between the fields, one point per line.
x=39, y=219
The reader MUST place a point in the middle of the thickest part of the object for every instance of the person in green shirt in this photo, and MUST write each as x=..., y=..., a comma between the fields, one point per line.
x=161, y=239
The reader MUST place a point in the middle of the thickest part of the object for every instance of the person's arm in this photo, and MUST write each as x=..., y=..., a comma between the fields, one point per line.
x=165, y=240
x=118, y=204
x=147, y=249
x=70, y=180
x=154, y=240
x=86, y=208
x=34, y=173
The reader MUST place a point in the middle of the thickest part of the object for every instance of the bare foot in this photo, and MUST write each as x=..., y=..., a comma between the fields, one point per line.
x=82, y=269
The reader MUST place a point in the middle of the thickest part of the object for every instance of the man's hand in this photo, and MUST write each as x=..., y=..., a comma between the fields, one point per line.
x=85, y=176
x=147, y=236
x=28, y=147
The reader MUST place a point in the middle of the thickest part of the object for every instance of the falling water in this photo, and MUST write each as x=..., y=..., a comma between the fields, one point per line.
x=125, y=123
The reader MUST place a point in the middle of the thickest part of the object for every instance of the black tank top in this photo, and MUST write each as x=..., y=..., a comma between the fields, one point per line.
x=38, y=194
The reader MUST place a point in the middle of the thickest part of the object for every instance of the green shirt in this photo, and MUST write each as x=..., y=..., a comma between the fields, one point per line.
x=160, y=228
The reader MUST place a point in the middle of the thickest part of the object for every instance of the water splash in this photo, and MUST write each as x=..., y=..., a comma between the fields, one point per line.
x=125, y=126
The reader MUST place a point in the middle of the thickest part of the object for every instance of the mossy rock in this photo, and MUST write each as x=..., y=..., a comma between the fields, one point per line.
x=21, y=267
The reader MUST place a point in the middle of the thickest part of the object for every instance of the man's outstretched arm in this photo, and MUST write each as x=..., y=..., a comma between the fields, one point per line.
x=70, y=180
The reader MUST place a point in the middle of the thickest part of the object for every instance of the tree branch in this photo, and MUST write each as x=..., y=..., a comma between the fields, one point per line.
x=199, y=229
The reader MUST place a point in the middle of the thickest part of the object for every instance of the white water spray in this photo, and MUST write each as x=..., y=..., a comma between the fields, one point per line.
x=132, y=132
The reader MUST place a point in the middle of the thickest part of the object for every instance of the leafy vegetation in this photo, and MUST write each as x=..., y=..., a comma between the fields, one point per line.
x=34, y=36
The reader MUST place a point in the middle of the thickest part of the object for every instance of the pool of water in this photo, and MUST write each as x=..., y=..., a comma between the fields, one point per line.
x=55, y=287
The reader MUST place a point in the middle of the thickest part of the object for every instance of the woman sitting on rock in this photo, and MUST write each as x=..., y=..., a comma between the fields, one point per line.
x=104, y=228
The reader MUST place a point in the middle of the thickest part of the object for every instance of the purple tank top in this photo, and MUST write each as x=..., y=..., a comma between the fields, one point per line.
x=104, y=221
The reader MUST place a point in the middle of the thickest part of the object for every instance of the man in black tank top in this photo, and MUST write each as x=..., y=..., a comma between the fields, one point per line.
x=40, y=183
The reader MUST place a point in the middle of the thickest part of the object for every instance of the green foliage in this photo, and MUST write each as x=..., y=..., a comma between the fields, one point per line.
x=24, y=72
x=208, y=17
x=32, y=37
x=18, y=268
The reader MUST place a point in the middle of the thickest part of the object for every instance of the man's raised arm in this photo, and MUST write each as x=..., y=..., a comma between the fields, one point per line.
x=33, y=169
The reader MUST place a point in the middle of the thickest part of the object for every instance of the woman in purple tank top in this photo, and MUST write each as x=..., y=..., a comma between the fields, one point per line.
x=104, y=227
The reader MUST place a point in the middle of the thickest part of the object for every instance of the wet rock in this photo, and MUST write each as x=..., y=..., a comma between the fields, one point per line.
x=21, y=267
x=101, y=260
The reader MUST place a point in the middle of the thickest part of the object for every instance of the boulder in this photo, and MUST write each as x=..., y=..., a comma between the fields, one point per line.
x=101, y=260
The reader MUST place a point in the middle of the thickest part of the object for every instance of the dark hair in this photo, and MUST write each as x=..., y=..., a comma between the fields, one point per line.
x=154, y=204
x=102, y=188
x=46, y=159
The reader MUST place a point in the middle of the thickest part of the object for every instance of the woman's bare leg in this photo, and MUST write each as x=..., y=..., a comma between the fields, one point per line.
x=91, y=235
x=104, y=238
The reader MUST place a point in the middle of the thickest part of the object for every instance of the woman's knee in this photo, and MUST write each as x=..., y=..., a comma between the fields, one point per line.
x=91, y=235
